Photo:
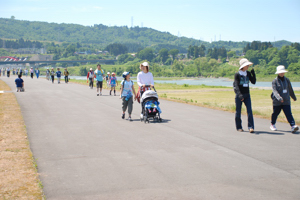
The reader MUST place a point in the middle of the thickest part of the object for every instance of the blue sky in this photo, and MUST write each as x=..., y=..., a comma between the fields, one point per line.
x=235, y=20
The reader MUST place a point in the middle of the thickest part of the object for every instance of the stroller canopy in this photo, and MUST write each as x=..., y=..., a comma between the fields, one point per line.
x=148, y=94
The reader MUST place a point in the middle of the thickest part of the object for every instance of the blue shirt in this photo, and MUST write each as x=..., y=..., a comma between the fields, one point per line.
x=19, y=82
x=113, y=80
x=58, y=74
x=99, y=75
x=127, y=89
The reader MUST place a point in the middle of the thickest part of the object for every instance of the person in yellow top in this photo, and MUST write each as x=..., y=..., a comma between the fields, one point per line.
x=66, y=74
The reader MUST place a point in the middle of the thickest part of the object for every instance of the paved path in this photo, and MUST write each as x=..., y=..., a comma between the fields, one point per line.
x=84, y=150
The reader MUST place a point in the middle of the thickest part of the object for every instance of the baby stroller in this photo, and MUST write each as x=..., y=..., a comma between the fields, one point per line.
x=150, y=106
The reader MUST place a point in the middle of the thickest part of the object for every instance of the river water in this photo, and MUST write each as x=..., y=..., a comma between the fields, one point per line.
x=199, y=81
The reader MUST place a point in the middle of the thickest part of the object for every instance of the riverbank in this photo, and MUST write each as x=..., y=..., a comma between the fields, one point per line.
x=18, y=169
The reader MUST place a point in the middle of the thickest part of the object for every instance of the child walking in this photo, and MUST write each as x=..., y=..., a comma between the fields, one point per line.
x=90, y=76
x=126, y=95
x=113, y=82
x=282, y=91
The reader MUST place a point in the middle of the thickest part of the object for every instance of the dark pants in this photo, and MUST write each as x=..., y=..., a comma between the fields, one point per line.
x=238, y=104
x=66, y=79
x=287, y=111
x=91, y=83
x=8, y=73
x=31, y=74
x=52, y=78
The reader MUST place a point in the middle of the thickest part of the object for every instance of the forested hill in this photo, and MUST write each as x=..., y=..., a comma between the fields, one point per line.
x=134, y=38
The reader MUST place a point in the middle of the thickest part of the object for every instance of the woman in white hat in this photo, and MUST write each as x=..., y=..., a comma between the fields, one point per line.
x=90, y=76
x=144, y=78
x=282, y=91
x=241, y=89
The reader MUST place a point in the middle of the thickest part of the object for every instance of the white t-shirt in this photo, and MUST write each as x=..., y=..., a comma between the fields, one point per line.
x=145, y=78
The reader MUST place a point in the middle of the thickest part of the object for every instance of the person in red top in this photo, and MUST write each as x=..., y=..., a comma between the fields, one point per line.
x=90, y=76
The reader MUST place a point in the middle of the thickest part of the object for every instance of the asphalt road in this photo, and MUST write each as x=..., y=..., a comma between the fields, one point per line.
x=84, y=150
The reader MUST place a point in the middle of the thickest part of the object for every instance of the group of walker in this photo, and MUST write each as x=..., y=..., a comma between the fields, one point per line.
x=282, y=91
x=128, y=94
x=51, y=74
x=281, y=86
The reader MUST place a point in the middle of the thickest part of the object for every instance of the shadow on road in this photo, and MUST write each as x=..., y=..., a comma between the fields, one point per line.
x=154, y=122
x=271, y=133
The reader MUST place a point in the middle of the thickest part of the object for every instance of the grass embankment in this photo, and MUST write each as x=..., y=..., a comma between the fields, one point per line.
x=18, y=170
x=218, y=97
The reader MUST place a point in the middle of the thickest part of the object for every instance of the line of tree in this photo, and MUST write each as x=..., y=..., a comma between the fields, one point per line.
x=101, y=35
x=20, y=43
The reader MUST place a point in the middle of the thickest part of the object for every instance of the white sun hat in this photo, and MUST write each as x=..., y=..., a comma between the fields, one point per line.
x=108, y=72
x=145, y=64
x=244, y=62
x=281, y=69
x=91, y=68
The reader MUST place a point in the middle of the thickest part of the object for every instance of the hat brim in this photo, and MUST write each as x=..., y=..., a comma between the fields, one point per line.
x=246, y=64
x=281, y=71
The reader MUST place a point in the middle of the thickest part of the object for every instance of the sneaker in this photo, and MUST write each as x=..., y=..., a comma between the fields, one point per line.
x=123, y=116
x=273, y=127
x=110, y=93
x=295, y=129
x=240, y=130
x=98, y=94
x=129, y=119
x=142, y=116
x=251, y=130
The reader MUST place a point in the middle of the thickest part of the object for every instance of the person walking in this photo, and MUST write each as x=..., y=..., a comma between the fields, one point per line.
x=14, y=72
x=99, y=73
x=66, y=74
x=26, y=72
x=37, y=73
x=144, y=78
x=282, y=91
x=241, y=89
x=127, y=88
x=0, y=71
x=107, y=80
x=52, y=73
x=3, y=71
x=21, y=71
x=113, y=82
x=8, y=72
x=90, y=76
x=31, y=72
x=58, y=75
x=48, y=74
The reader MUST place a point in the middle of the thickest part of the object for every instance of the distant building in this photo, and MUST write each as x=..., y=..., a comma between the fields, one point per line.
x=41, y=57
x=31, y=51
